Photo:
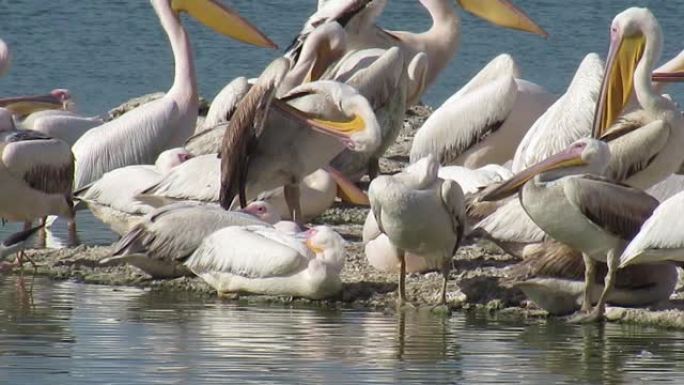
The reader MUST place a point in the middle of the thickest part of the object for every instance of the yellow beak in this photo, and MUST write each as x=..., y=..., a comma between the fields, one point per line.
x=618, y=80
x=347, y=190
x=223, y=20
x=315, y=249
x=22, y=106
x=502, y=13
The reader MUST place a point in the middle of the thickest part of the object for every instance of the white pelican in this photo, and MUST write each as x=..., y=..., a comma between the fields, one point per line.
x=485, y=120
x=420, y=213
x=23, y=106
x=167, y=236
x=224, y=103
x=567, y=120
x=471, y=180
x=584, y=211
x=553, y=280
x=61, y=124
x=36, y=174
x=112, y=197
x=661, y=237
x=5, y=58
x=138, y=136
x=439, y=43
x=645, y=144
x=330, y=116
x=15, y=244
x=263, y=260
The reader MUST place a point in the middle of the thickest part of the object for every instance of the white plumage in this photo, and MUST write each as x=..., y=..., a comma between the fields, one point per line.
x=61, y=124
x=263, y=260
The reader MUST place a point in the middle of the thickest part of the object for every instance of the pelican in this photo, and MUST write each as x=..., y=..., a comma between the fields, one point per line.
x=138, y=136
x=564, y=196
x=167, y=236
x=224, y=104
x=263, y=260
x=420, y=213
x=36, y=174
x=23, y=106
x=660, y=237
x=645, y=144
x=330, y=116
x=485, y=120
x=439, y=43
x=15, y=244
x=471, y=180
x=112, y=197
x=551, y=276
x=61, y=124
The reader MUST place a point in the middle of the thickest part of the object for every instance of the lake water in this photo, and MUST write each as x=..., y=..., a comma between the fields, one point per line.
x=59, y=333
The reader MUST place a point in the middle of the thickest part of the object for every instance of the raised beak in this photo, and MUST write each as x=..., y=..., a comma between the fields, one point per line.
x=504, y=14
x=566, y=158
x=347, y=190
x=667, y=77
x=618, y=80
x=223, y=20
x=342, y=130
x=25, y=105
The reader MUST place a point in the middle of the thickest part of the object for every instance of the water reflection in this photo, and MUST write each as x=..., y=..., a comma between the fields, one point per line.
x=65, y=332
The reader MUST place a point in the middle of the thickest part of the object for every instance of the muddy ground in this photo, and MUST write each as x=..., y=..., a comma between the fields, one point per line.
x=473, y=284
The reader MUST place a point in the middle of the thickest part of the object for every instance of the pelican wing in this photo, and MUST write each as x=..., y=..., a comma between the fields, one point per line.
x=173, y=232
x=510, y=223
x=44, y=163
x=616, y=208
x=224, y=104
x=458, y=125
x=136, y=137
x=547, y=259
x=118, y=188
x=379, y=81
x=633, y=148
x=252, y=252
x=453, y=201
x=196, y=179
x=661, y=232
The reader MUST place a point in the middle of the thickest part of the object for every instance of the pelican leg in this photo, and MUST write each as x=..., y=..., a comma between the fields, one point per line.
x=401, y=301
x=73, y=236
x=292, y=199
x=22, y=257
x=608, y=284
x=589, y=282
x=373, y=167
x=442, y=307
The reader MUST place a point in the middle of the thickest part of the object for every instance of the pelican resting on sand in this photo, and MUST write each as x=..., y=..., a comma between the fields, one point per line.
x=263, y=260
x=422, y=214
x=167, y=236
x=567, y=199
x=112, y=198
x=140, y=135
x=552, y=277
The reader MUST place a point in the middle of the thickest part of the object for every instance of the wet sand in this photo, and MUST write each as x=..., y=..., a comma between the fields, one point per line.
x=473, y=284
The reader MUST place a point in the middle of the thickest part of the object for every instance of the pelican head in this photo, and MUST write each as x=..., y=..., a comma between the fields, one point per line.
x=22, y=106
x=262, y=210
x=584, y=155
x=502, y=13
x=5, y=58
x=218, y=17
x=327, y=245
x=360, y=133
x=326, y=44
x=172, y=158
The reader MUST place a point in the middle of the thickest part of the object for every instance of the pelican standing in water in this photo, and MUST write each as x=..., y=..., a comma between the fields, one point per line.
x=646, y=145
x=564, y=196
x=422, y=214
x=138, y=136
x=485, y=120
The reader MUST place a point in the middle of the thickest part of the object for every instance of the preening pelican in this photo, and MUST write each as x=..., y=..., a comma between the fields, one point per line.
x=564, y=196
x=263, y=260
x=567, y=120
x=140, y=135
x=646, y=145
x=420, y=213
x=552, y=277
x=661, y=237
x=439, y=43
x=167, y=236
x=112, y=197
x=286, y=150
x=485, y=120
x=36, y=174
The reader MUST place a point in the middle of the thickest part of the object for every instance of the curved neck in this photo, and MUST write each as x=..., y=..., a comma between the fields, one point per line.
x=643, y=88
x=440, y=42
x=185, y=82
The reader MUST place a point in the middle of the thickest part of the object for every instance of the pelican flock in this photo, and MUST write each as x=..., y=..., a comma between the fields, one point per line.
x=241, y=198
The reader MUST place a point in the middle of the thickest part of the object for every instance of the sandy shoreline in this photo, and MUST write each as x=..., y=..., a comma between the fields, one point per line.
x=473, y=285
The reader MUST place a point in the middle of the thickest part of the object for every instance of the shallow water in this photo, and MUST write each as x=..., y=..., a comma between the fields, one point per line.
x=69, y=333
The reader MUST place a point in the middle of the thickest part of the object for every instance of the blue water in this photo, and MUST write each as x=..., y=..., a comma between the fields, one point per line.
x=109, y=51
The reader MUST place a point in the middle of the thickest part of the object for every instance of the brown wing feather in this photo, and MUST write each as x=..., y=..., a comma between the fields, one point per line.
x=617, y=208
